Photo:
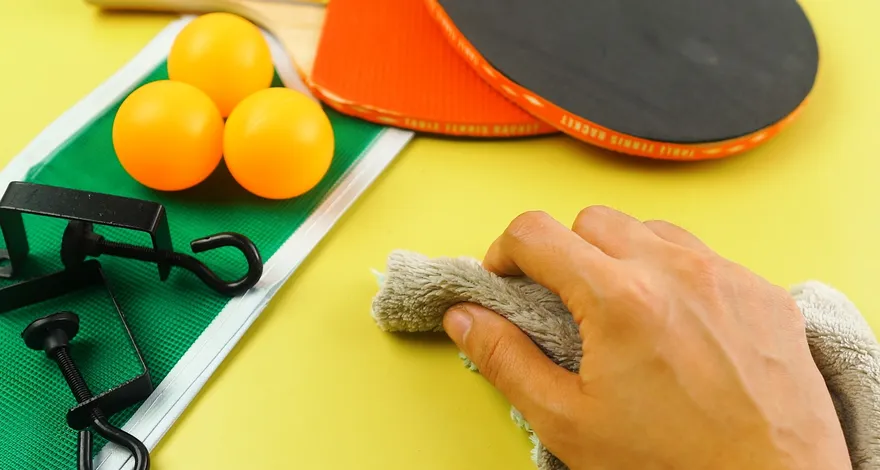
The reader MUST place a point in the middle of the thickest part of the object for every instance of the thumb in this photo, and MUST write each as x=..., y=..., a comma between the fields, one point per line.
x=510, y=361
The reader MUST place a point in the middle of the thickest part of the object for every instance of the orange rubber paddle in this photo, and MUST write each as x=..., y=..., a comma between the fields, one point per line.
x=387, y=61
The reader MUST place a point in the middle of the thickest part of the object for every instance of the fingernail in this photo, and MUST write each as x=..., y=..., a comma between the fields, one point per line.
x=457, y=323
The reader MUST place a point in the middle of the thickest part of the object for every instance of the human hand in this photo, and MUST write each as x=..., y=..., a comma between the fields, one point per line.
x=690, y=361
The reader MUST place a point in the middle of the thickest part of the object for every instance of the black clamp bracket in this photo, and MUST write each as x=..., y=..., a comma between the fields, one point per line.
x=73, y=204
x=83, y=209
x=88, y=275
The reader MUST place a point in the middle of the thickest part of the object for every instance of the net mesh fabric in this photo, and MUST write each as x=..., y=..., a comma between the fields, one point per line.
x=165, y=317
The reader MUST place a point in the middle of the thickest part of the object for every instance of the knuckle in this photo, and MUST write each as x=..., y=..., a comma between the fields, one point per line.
x=660, y=225
x=780, y=294
x=592, y=213
x=704, y=266
x=492, y=356
x=643, y=293
x=638, y=293
x=788, y=305
x=531, y=218
x=525, y=225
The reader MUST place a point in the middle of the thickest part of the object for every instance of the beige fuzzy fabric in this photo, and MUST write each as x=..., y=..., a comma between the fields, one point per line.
x=416, y=291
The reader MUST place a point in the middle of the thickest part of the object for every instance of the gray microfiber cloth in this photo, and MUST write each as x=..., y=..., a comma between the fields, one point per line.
x=416, y=291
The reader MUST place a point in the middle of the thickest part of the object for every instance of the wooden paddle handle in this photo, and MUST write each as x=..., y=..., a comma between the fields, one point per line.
x=296, y=24
x=191, y=6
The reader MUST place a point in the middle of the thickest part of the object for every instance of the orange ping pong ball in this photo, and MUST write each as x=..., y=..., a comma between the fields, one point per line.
x=168, y=135
x=278, y=143
x=224, y=55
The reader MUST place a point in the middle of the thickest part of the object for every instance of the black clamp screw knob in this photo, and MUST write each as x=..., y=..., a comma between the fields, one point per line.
x=53, y=334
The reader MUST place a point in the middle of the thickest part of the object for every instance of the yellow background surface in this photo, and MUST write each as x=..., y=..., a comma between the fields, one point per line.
x=804, y=206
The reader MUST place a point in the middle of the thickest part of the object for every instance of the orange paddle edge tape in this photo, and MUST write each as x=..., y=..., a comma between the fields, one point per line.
x=389, y=63
x=590, y=132
x=390, y=118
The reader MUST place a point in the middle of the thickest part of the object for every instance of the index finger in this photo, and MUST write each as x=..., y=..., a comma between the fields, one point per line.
x=551, y=254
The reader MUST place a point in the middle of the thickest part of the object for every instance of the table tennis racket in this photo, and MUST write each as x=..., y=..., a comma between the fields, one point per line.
x=385, y=61
x=678, y=79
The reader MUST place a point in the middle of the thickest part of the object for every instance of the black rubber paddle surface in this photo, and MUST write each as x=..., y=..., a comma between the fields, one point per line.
x=677, y=71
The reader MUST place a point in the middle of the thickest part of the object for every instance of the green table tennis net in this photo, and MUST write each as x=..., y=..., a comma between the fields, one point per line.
x=165, y=317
